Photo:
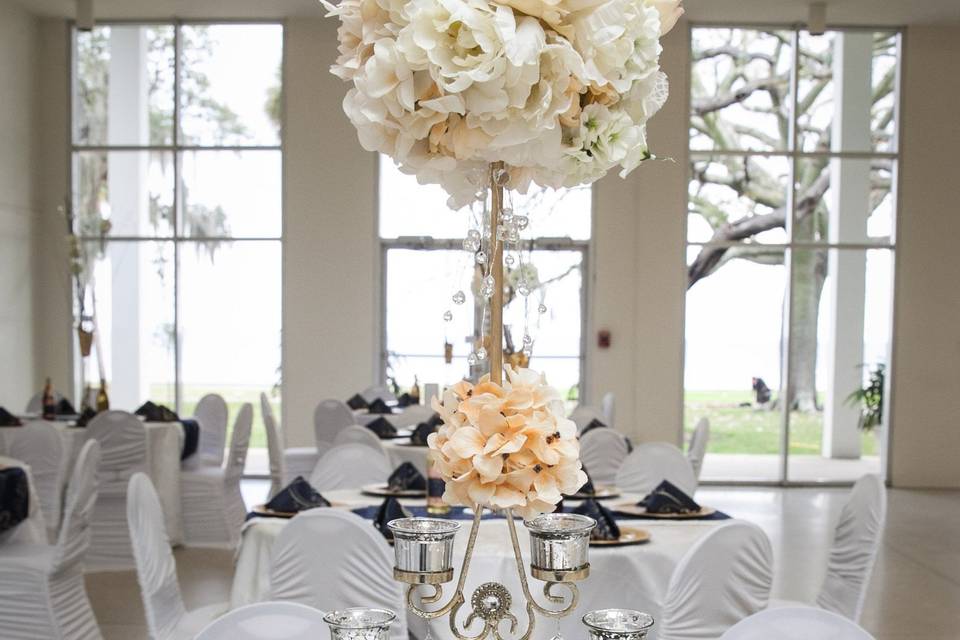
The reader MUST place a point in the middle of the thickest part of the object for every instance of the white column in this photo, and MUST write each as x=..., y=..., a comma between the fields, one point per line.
x=849, y=209
x=127, y=118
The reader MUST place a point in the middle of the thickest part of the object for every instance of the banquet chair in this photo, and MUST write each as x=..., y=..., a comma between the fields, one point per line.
x=350, y=466
x=796, y=623
x=602, y=451
x=853, y=554
x=332, y=559
x=167, y=618
x=608, y=408
x=698, y=445
x=329, y=418
x=723, y=578
x=267, y=621
x=35, y=403
x=583, y=415
x=123, y=452
x=360, y=435
x=650, y=464
x=41, y=586
x=378, y=392
x=38, y=444
x=212, y=415
x=213, y=508
x=290, y=462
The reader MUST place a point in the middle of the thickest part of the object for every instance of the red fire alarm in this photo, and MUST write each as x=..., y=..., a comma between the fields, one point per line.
x=603, y=339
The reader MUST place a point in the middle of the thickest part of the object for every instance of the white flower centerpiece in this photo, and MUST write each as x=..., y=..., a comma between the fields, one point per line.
x=479, y=96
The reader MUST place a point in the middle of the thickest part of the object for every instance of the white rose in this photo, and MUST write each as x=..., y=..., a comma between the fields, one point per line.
x=606, y=137
x=669, y=10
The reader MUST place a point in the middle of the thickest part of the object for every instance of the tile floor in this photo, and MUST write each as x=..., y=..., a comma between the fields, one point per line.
x=914, y=594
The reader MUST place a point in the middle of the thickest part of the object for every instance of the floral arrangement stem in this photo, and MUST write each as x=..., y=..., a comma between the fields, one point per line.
x=496, y=269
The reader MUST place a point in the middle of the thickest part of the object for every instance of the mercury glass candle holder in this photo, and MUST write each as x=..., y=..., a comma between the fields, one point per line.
x=360, y=623
x=423, y=549
x=559, y=546
x=618, y=624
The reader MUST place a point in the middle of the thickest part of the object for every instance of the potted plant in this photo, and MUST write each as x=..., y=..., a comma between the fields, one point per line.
x=870, y=400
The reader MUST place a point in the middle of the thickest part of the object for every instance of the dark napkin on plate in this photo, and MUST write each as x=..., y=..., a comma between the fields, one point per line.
x=14, y=497
x=383, y=428
x=356, y=402
x=406, y=477
x=64, y=408
x=379, y=406
x=606, y=528
x=421, y=433
x=667, y=498
x=153, y=412
x=405, y=400
x=7, y=419
x=85, y=417
x=593, y=424
x=435, y=420
x=391, y=509
x=297, y=496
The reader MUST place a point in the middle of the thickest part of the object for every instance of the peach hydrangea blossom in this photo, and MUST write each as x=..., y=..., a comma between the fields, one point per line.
x=506, y=446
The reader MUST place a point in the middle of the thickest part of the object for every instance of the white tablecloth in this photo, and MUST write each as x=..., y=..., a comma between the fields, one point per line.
x=33, y=530
x=398, y=420
x=164, y=444
x=634, y=577
x=400, y=451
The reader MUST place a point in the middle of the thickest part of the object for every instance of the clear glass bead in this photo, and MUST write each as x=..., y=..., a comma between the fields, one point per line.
x=459, y=297
x=512, y=235
x=481, y=257
x=542, y=308
x=471, y=245
x=509, y=260
x=502, y=233
x=521, y=222
x=473, y=234
x=523, y=288
x=481, y=354
x=528, y=352
x=472, y=359
x=527, y=340
x=447, y=315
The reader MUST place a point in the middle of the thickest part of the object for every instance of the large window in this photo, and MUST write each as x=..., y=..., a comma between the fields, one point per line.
x=176, y=198
x=425, y=266
x=790, y=243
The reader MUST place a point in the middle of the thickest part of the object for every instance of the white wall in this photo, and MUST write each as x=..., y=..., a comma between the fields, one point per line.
x=18, y=49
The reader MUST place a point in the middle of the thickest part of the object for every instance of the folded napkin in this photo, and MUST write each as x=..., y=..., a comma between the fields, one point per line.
x=421, y=433
x=379, y=406
x=405, y=400
x=153, y=412
x=667, y=498
x=191, y=437
x=383, y=428
x=64, y=408
x=14, y=497
x=7, y=419
x=295, y=497
x=406, y=477
x=606, y=528
x=356, y=402
x=85, y=417
x=593, y=424
x=435, y=420
x=391, y=509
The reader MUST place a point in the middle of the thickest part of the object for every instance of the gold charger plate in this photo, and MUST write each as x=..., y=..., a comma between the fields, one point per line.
x=601, y=493
x=628, y=536
x=383, y=491
x=634, y=510
x=262, y=510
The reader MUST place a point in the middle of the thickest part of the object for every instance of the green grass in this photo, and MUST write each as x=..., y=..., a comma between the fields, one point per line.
x=235, y=397
x=736, y=429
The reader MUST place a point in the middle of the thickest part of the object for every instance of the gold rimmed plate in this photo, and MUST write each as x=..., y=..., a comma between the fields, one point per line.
x=636, y=510
x=628, y=536
x=601, y=493
x=261, y=510
x=384, y=491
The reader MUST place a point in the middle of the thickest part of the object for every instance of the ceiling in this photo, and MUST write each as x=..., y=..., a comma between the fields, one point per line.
x=839, y=12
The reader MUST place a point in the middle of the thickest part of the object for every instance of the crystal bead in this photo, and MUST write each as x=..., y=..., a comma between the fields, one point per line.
x=472, y=359
x=542, y=308
x=509, y=260
x=481, y=354
x=528, y=352
x=521, y=222
x=471, y=245
x=527, y=340
x=481, y=257
x=523, y=288
x=502, y=233
x=513, y=235
x=447, y=315
x=473, y=234
x=459, y=297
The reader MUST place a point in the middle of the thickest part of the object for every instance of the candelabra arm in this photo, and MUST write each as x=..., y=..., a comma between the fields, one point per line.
x=547, y=588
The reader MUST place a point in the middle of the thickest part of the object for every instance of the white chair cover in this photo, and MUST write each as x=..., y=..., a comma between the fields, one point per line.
x=213, y=507
x=608, y=408
x=156, y=568
x=653, y=462
x=329, y=417
x=360, y=435
x=854, y=551
x=331, y=559
x=378, y=392
x=415, y=414
x=41, y=586
x=38, y=444
x=698, y=445
x=301, y=461
x=268, y=621
x=35, y=404
x=583, y=415
x=123, y=452
x=796, y=623
x=213, y=415
x=350, y=466
x=602, y=451
x=275, y=446
x=725, y=577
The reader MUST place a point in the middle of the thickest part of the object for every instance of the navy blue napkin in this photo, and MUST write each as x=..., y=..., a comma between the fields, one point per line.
x=383, y=428
x=297, y=496
x=606, y=528
x=668, y=498
x=153, y=412
x=85, y=417
x=14, y=497
x=593, y=424
x=406, y=477
x=380, y=407
x=421, y=433
x=7, y=419
x=391, y=509
x=191, y=437
x=405, y=400
x=64, y=408
x=356, y=402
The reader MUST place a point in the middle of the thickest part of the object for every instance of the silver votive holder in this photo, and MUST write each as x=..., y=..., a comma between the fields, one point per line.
x=559, y=546
x=423, y=549
x=360, y=623
x=618, y=624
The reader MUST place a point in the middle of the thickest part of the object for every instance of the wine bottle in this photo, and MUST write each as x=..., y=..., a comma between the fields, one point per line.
x=49, y=403
x=435, y=488
x=415, y=390
x=103, y=401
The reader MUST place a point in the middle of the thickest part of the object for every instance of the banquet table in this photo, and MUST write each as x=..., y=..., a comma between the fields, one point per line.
x=634, y=577
x=33, y=530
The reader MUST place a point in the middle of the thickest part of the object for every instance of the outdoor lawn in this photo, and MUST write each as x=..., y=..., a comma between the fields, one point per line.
x=736, y=429
x=235, y=398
